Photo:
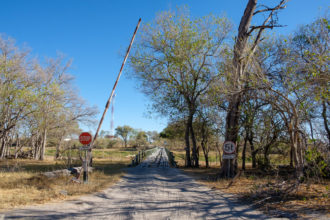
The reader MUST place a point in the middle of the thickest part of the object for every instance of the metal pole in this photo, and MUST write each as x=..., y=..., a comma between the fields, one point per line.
x=85, y=176
x=115, y=85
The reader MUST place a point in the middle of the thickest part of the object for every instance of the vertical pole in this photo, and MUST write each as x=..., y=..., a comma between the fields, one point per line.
x=85, y=177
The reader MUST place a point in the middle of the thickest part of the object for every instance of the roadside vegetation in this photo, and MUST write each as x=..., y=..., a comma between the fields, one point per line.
x=273, y=191
x=266, y=93
x=22, y=182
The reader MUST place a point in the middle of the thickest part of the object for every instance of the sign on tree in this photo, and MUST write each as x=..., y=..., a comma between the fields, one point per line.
x=229, y=147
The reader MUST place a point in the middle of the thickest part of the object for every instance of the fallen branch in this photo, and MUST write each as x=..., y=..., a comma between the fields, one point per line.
x=64, y=172
x=234, y=179
x=256, y=203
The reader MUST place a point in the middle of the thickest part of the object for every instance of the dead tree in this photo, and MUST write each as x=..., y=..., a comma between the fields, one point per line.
x=243, y=51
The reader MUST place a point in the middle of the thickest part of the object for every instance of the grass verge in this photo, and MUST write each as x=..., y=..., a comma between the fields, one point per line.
x=269, y=193
x=21, y=183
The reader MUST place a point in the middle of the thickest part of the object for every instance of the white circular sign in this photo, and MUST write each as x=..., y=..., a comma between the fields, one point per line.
x=229, y=147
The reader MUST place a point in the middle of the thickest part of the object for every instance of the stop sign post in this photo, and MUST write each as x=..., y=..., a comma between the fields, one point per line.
x=85, y=138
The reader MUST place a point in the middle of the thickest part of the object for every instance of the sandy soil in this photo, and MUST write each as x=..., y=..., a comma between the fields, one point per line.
x=151, y=190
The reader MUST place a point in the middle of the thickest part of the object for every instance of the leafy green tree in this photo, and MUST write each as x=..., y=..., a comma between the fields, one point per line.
x=124, y=132
x=309, y=52
x=36, y=100
x=303, y=77
x=16, y=90
x=175, y=61
x=141, y=138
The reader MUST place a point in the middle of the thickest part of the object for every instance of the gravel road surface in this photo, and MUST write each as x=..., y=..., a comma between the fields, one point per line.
x=151, y=190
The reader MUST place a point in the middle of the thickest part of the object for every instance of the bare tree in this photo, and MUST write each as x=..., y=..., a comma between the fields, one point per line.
x=243, y=51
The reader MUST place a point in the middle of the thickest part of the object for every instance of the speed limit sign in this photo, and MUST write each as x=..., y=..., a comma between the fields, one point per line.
x=229, y=147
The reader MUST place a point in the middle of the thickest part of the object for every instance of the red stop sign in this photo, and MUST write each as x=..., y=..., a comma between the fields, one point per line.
x=85, y=138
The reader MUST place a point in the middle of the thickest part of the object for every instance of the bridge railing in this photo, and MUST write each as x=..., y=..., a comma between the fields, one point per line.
x=171, y=158
x=141, y=155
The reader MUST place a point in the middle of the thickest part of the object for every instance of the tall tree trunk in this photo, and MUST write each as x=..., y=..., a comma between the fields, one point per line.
x=36, y=146
x=58, y=147
x=188, y=159
x=244, y=152
x=253, y=153
x=43, y=146
x=57, y=153
x=228, y=168
x=17, y=147
x=206, y=153
x=296, y=144
x=125, y=142
x=219, y=151
x=312, y=131
x=236, y=157
x=325, y=120
x=3, y=147
x=233, y=113
x=194, y=143
x=10, y=143
x=291, y=155
x=266, y=154
x=300, y=157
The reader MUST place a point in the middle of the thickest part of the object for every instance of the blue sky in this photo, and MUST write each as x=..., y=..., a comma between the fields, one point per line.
x=94, y=33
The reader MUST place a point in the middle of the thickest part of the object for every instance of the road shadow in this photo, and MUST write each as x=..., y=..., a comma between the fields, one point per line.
x=147, y=193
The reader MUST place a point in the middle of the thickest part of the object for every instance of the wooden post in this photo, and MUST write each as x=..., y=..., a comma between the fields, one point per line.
x=85, y=166
x=115, y=85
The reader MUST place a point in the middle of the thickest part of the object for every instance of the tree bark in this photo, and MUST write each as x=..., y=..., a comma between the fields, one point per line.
x=206, y=153
x=36, y=146
x=312, y=131
x=207, y=160
x=188, y=159
x=266, y=154
x=233, y=113
x=253, y=153
x=204, y=145
x=194, y=143
x=3, y=147
x=296, y=145
x=291, y=155
x=58, y=147
x=125, y=142
x=17, y=147
x=43, y=146
x=325, y=120
x=244, y=153
x=231, y=133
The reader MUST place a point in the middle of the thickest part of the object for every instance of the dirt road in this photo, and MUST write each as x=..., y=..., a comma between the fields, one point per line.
x=152, y=190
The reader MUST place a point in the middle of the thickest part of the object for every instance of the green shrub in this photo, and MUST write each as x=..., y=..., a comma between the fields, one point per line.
x=316, y=165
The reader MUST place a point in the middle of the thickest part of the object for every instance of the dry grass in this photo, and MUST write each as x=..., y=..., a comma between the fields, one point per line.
x=21, y=183
x=253, y=189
